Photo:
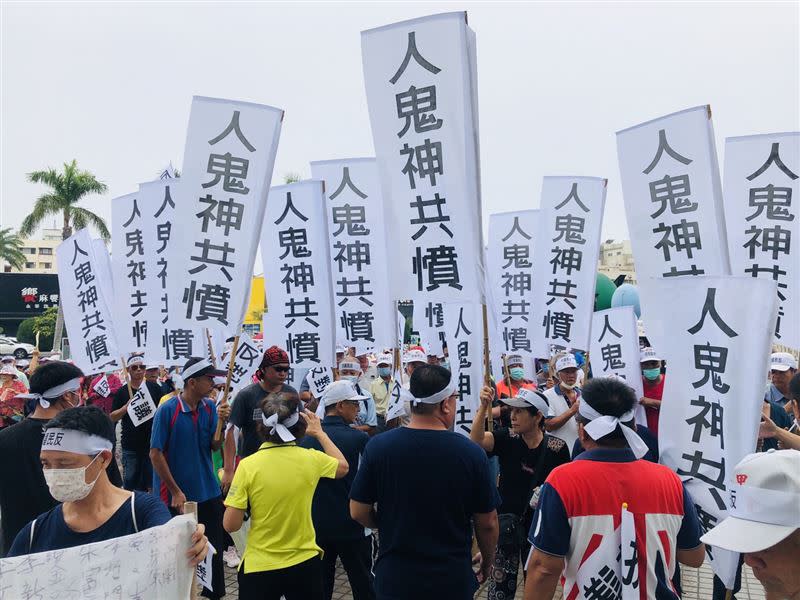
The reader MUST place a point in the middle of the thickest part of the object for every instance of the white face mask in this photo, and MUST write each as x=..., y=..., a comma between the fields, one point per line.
x=568, y=386
x=352, y=378
x=69, y=485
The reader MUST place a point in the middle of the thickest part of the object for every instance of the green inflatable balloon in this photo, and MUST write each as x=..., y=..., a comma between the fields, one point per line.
x=603, y=292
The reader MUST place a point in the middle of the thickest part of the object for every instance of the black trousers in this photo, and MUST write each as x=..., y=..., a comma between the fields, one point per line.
x=356, y=556
x=300, y=582
x=209, y=513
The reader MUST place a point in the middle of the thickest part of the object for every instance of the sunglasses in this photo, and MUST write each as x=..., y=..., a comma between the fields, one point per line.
x=282, y=369
x=136, y=368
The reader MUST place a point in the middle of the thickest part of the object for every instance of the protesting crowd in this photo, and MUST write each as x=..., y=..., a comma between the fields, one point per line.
x=410, y=508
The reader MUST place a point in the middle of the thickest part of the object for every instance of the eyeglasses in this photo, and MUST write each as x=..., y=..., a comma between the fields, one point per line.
x=282, y=369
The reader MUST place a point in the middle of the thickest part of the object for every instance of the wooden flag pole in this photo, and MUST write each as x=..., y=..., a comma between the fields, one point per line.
x=507, y=375
x=211, y=349
x=220, y=424
x=127, y=378
x=486, y=380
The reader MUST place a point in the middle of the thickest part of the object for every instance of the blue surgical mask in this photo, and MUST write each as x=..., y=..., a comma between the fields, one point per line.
x=353, y=378
x=545, y=368
x=384, y=371
x=517, y=373
x=651, y=374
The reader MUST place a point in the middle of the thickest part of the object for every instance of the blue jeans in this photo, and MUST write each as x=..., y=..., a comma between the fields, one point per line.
x=137, y=471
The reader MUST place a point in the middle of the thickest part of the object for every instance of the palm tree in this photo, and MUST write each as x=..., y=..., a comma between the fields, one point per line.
x=68, y=188
x=11, y=248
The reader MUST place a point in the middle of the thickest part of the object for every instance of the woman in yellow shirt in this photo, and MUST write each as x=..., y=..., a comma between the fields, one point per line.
x=276, y=485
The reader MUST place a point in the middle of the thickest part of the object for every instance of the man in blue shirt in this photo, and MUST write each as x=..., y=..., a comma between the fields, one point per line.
x=337, y=533
x=431, y=486
x=180, y=449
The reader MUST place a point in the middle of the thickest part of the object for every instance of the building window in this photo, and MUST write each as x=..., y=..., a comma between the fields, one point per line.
x=46, y=251
x=7, y=269
x=29, y=250
x=30, y=265
x=46, y=265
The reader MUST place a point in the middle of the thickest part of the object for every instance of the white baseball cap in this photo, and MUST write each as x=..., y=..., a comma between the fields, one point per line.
x=384, y=359
x=514, y=359
x=566, y=362
x=648, y=354
x=782, y=361
x=415, y=356
x=350, y=364
x=8, y=370
x=765, y=503
x=339, y=391
x=8, y=359
x=526, y=398
x=339, y=349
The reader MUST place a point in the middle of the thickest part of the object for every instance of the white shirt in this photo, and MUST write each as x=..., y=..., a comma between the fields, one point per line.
x=558, y=406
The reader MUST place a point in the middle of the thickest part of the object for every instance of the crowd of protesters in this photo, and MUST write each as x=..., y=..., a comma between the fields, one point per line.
x=410, y=508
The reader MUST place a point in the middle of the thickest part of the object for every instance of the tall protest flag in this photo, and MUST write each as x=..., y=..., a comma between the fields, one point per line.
x=167, y=344
x=131, y=299
x=419, y=77
x=715, y=334
x=673, y=198
x=567, y=247
x=762, y=191
x=509, y=261
x=294, y=248
x=464, y=329
x=227, y=167
x=359, y=264
x=103, y=261
x=87, y=317
x=615, y=350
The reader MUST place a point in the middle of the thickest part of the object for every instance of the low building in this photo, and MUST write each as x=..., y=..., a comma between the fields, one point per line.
x=40, y=254
x=616, y=258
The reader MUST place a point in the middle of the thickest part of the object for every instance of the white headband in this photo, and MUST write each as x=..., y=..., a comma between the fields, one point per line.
x=71, y=440
x=195, y=368
x=438, y=396
x=601, y=425
x=764, y=506
x=281, y=427
x=73, y=385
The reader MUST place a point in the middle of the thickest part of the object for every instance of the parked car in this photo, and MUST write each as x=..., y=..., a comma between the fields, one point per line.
x=17, y=349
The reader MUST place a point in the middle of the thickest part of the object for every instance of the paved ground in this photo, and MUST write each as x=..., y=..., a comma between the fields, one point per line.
x=697, y=585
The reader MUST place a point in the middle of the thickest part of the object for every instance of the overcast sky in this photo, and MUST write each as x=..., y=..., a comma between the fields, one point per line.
x=110, y=84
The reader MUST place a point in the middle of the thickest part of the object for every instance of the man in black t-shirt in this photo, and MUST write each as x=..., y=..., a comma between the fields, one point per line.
x=137, y=470
x=431, y=486
x=272, y=374
x=24, y=494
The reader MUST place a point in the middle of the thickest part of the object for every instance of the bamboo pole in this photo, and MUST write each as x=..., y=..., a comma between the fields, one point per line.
x=190, y=508
x=211, y=349
x=486, y=366
x=218, y=434
x=127, y=378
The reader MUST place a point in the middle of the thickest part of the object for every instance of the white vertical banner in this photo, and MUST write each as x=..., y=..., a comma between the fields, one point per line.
x=294, y=248
x=128, y=254
x=227, y=168
x=673, y=197
x=614, y=350
x=762, y=192
x=629, y=557
x=401, y=331
x=357, y=238
x=429, y=322
x=715, y=334
x=567, y=247
x=103, y=261
x=87, y=317
x=509, y=264
x=419, y=78
x=464, y=330
x=167, y=345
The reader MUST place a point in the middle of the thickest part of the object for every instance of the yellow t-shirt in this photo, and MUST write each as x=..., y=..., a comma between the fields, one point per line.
x=278, y=483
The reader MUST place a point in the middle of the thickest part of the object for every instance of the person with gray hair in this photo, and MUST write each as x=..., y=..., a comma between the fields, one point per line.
x=276, y=486
x=763, y=522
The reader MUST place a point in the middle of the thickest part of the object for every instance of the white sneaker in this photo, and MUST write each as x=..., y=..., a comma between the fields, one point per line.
x=231, y=557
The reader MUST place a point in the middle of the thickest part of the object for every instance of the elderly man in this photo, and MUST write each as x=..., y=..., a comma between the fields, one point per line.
x=777, y=405
x=381, y=388
x=367, y=419
x=764, y=521
x=564, y=399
